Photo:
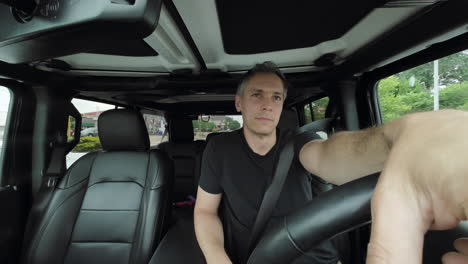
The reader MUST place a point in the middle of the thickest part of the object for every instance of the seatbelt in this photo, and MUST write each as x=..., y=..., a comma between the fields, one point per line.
x=55, y=171
x=274, y=190
x=56, y=168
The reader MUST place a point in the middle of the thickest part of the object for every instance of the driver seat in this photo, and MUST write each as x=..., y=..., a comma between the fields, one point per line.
x=112, y=206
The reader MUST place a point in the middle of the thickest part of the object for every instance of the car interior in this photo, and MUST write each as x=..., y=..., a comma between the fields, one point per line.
x=180, y=60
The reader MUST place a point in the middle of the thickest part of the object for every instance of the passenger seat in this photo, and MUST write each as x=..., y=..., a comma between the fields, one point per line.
x=184, y=152
x=112, y=206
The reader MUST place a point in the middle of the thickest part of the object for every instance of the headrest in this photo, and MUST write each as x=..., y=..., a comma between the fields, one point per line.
x=123, y=129
x=211, y=135
x=180, y=130
x=288, y=119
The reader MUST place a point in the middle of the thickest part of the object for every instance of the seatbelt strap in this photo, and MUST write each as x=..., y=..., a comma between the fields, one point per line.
x=56, y=168
x=52, y=176
x=49, y=181
x=273, y=192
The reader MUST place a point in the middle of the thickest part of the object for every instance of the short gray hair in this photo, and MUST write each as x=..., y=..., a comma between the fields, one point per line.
x=266, y=67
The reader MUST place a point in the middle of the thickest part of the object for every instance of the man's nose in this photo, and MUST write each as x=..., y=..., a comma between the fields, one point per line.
x=267, y=104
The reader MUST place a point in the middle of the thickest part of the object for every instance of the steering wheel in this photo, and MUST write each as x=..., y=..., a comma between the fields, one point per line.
x=342, y=209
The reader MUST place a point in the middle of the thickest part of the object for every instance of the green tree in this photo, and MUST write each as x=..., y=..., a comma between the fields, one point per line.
x=454, y=96
x=452, y=69
x=88, y=144
x=397, y=98
x=204, y=126
x=319, y=108
x=231, y=124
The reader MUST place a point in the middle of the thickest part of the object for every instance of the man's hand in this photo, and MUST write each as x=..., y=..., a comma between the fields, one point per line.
x=461, y=245
x=208, y=227
x=221, y=258
x=423, y=186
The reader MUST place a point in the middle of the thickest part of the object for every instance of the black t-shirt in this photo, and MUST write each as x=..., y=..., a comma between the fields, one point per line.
x=230, y=167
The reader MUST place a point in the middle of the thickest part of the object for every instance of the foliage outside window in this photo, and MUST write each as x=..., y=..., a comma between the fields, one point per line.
x=397, y=97
x=88, y=144
x=205, y=125
x=318, y=110
x=71, y=128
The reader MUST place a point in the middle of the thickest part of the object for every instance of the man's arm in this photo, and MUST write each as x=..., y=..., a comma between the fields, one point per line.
x=347, y=156
x=208, y=227
x=423, y=181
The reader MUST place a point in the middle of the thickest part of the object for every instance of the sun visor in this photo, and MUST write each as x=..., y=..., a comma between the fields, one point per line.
x=55, y=28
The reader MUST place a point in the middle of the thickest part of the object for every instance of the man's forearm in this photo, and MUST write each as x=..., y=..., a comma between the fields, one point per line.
x=346, y=156
x=210, y=237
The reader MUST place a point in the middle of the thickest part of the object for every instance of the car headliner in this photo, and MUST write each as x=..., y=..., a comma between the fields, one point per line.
x=198, y=50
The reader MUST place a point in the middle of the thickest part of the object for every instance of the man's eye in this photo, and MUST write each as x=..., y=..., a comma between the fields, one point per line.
x=256, y=95
x=278, y=98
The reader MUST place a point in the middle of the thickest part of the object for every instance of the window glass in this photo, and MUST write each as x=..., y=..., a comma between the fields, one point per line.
x=89, y=138
x=419, y=89
x=308, y=113
x=71, y=128
x=207, y=124
x=316, y=110
x=5, y=97
x=156, y=125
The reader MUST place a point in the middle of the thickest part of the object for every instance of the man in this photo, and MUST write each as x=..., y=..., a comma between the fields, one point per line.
x=238, y=166
x=416, y=191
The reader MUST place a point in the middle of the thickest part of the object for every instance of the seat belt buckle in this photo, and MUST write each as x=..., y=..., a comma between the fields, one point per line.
x=52, y=181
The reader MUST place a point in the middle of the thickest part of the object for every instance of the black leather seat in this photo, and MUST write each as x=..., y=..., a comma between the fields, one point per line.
x=111, y=206
x=185, y=154
x=288, y=119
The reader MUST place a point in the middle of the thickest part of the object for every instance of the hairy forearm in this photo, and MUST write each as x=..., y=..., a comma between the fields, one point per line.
x=346, y=156
x=210, y=237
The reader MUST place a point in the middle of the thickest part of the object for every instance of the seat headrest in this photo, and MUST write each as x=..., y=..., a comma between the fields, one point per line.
x=123, y=129
x=211, y=135
x=180, y=130
x=288, y=119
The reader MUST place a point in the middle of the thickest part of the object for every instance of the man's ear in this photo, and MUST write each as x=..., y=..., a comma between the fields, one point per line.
x=238, y=103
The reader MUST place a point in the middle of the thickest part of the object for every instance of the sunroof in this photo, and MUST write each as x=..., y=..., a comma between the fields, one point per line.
x=250, y=27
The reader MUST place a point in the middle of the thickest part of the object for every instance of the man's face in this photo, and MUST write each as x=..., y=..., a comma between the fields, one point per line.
x=261, y=103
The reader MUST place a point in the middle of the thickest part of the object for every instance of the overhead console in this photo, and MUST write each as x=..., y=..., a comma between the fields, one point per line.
x=33, y=30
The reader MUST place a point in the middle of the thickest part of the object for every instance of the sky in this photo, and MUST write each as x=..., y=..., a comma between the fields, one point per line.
x=85, y=106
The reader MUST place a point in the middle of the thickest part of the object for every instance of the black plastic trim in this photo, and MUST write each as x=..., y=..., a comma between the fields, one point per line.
x=185, y=32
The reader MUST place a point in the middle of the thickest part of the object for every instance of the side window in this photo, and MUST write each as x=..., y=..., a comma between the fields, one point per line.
x=315, y=110
x=5, y=99
x=440, y=84
x=89, y=138
x=156, y=125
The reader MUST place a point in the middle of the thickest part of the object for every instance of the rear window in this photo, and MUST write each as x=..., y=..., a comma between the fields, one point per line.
x=207, y=124
x=89, y=137
x=156, y=125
